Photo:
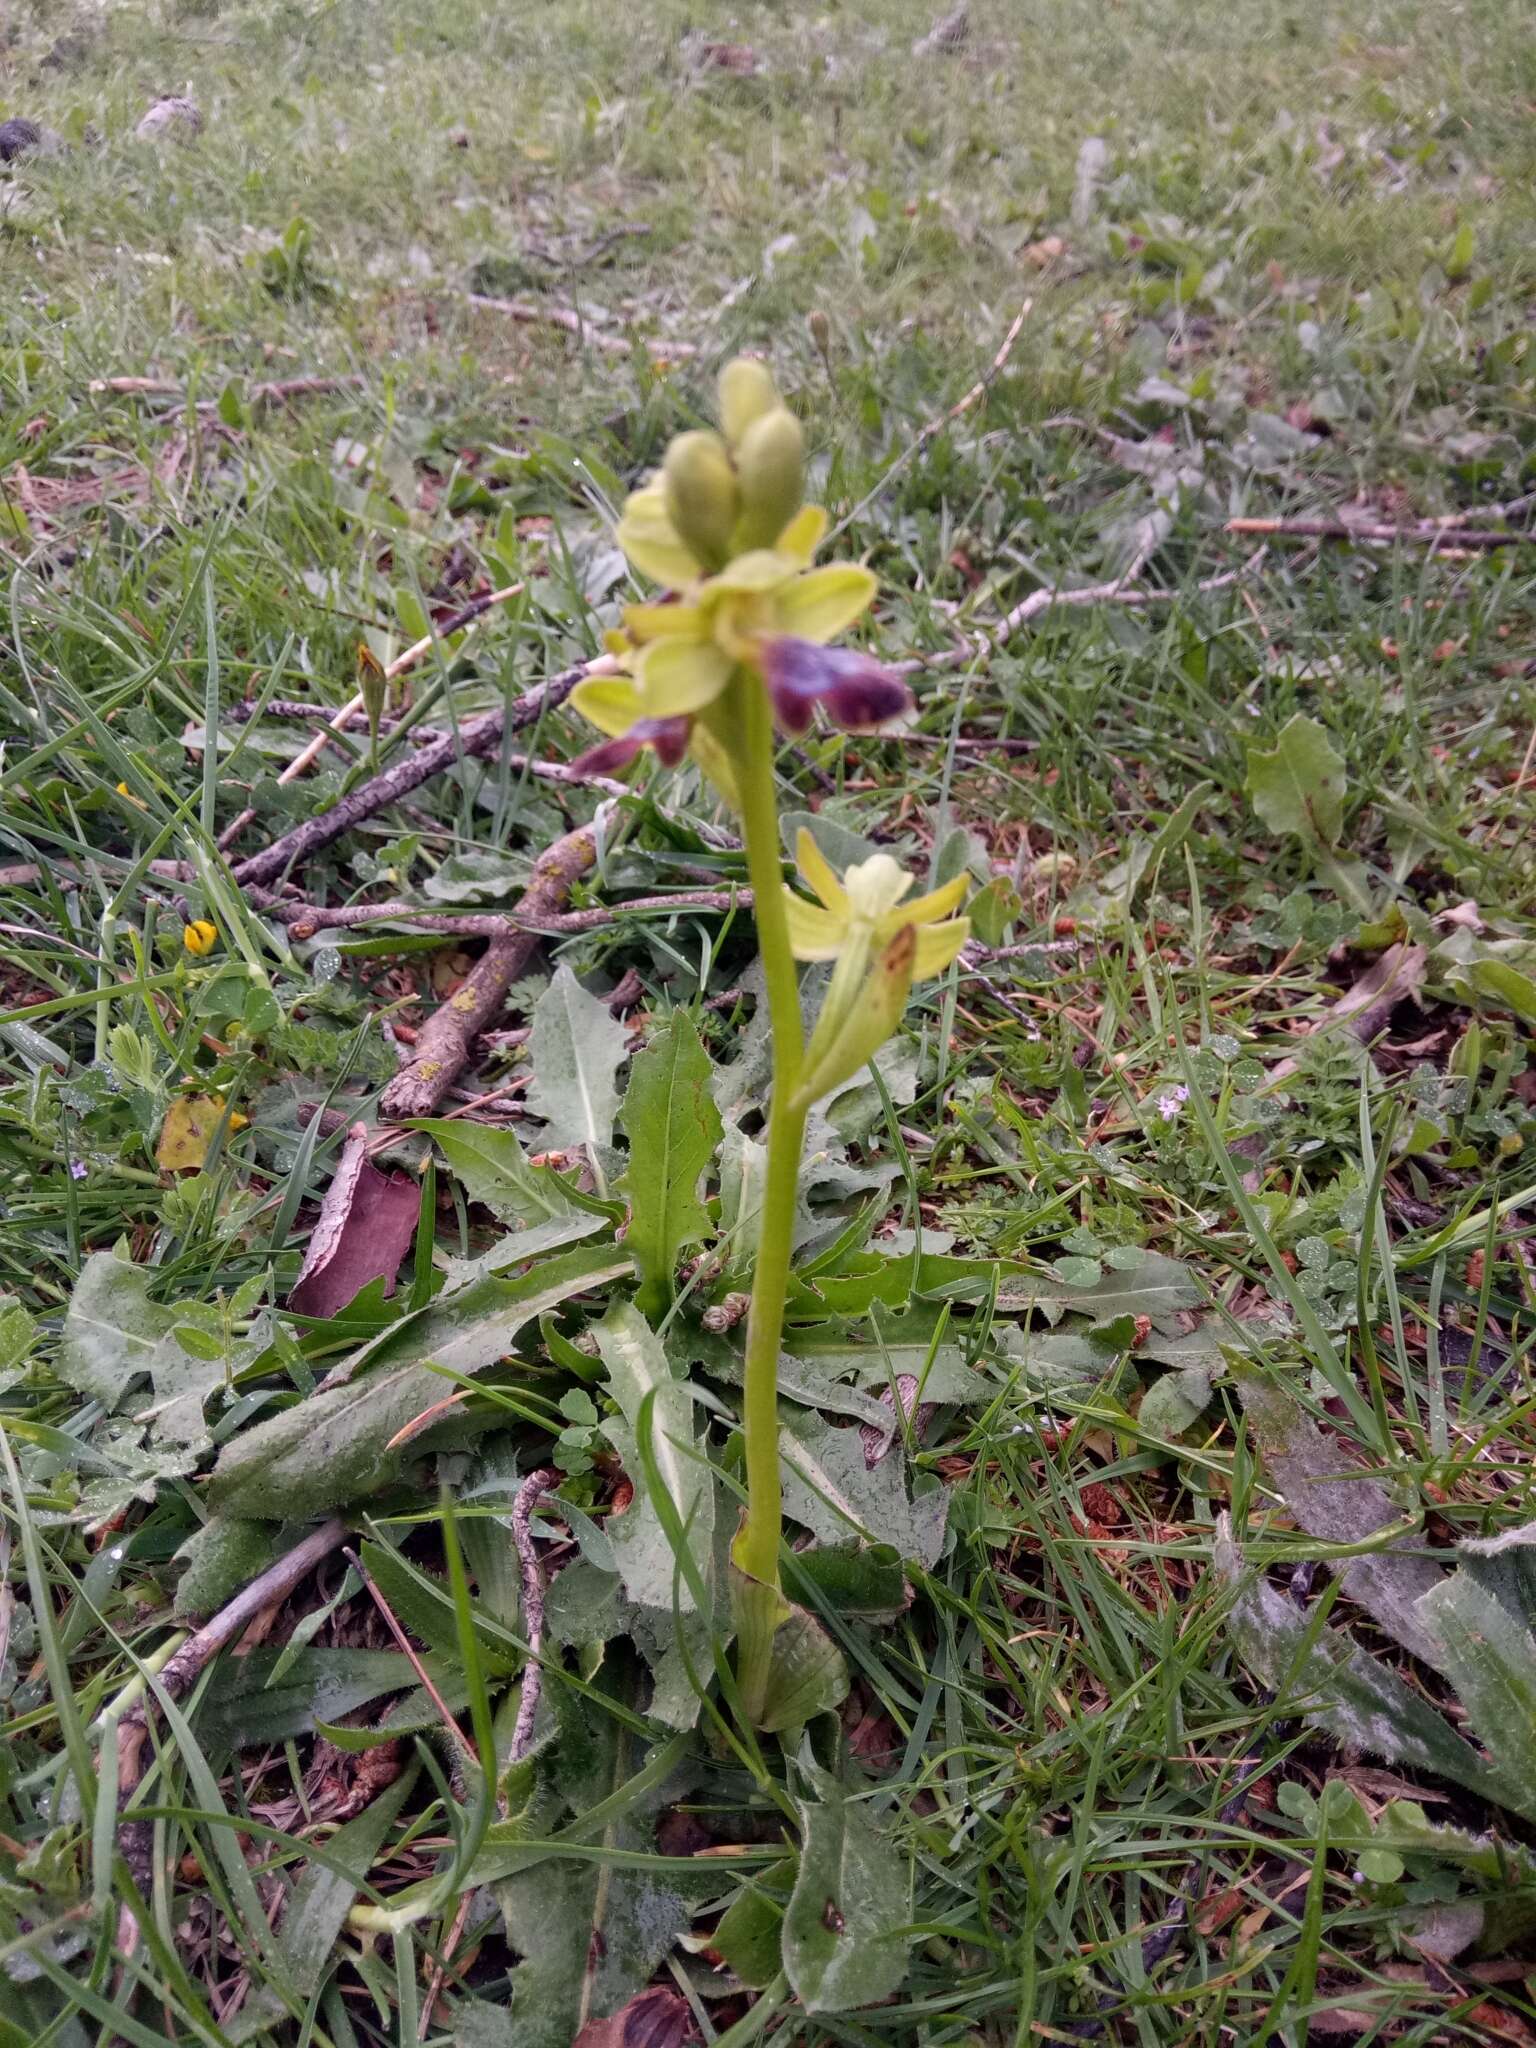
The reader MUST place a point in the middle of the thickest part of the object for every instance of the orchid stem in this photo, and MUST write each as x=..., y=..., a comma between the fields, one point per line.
x=757, y=1546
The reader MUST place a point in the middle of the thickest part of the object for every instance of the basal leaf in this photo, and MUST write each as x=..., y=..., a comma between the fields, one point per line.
x=1338, y=1685
x=575, y=1046
x=842, y=1942
x=831, y=1488
x=1297, y=786
x=1490, y=1657
x=638, y=1368
x=1312, y=1475
x=495, y=1169
x=673, y=1128
x=335, y=1445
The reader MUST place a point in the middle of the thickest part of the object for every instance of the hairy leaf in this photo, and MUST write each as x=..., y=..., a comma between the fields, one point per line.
x=496, y=1170
x=336, y=1445
x=637, y=1368
x=576, y=1046
x=1297, y=786
x=673, y=1127
x=1338, y=1685
x=829, y=1486
x=842, y=1941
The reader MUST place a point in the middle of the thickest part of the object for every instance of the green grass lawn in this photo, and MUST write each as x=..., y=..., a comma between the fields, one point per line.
x=1174, y=1213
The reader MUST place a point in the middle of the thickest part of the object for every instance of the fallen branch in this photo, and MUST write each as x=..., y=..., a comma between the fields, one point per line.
x=416, y=652
x=231, y=1622
x=1431, y=534
x=532, y=1490
x=308, y=918
x=260, y=394
x=1118, y=592
x=480, y=736
x=430, y=735
x=443, y=1047
x=567, y=317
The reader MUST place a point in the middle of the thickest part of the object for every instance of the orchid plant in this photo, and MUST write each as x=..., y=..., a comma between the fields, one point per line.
x=743, y=644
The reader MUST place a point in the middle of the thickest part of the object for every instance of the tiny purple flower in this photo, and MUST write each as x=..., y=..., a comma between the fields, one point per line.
x=78, y=1169
x=856, y=692
x=1169, y=1104
x=669, y=736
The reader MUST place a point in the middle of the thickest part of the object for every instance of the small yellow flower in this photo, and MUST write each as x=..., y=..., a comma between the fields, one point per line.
x=865, y=910
x=200, y=936
x=124, y=790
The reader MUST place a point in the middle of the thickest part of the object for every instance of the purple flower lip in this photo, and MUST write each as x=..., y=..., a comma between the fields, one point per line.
x=669, y=737
x=853, y=689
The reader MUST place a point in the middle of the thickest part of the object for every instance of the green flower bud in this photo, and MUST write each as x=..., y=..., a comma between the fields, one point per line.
x=701, y=495
x=771, y=466
x=747, y=391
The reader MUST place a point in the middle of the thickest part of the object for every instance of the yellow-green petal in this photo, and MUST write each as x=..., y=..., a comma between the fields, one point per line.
x=612, y=704
x=822, y=603
x=680, y=676
x=818, y=871
x=648, y=622
x=937, y=945
x=652, y=542
x=751, y=574
x=803, y=535
x=936, y=904
x=814, y=933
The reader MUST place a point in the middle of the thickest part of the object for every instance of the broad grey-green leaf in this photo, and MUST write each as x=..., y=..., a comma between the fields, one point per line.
x=1329, y=1500
x=115, y=1336
x=1336, y=1684
x=1297, y=786
x=673, y=1128
x=242, y=1707
x=806, y=1674
x=226, y=1553
x=750, y=1932
x=519, y=1246
x=496, y=1170
x=1490, y=1657
x=1176, y=1401
x=829, y=1486
x=842, y=1944
x=336, y=1445
x=575, y=1046
x=1144, y=1283
x=637, y=1368
x=589, y=1932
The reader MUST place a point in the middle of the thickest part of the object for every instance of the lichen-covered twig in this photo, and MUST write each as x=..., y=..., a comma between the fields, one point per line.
x=529, y=1494
x=445, y=1041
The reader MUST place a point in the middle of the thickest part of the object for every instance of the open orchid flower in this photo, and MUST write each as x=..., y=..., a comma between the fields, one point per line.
x=866, y=909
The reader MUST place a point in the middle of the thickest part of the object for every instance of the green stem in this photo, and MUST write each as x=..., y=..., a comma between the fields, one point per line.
x=757, y=1546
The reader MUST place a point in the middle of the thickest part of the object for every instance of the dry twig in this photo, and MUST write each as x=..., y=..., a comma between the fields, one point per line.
x=480, y=736
x=1433, y=534
x=231, y=1622
x=532, y=1490
x=445, y=1041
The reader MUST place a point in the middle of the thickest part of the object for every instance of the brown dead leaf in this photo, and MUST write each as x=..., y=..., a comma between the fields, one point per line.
x=365, y=1228
x=658, y=2018
x=1049, y=249
x=1396, y=975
